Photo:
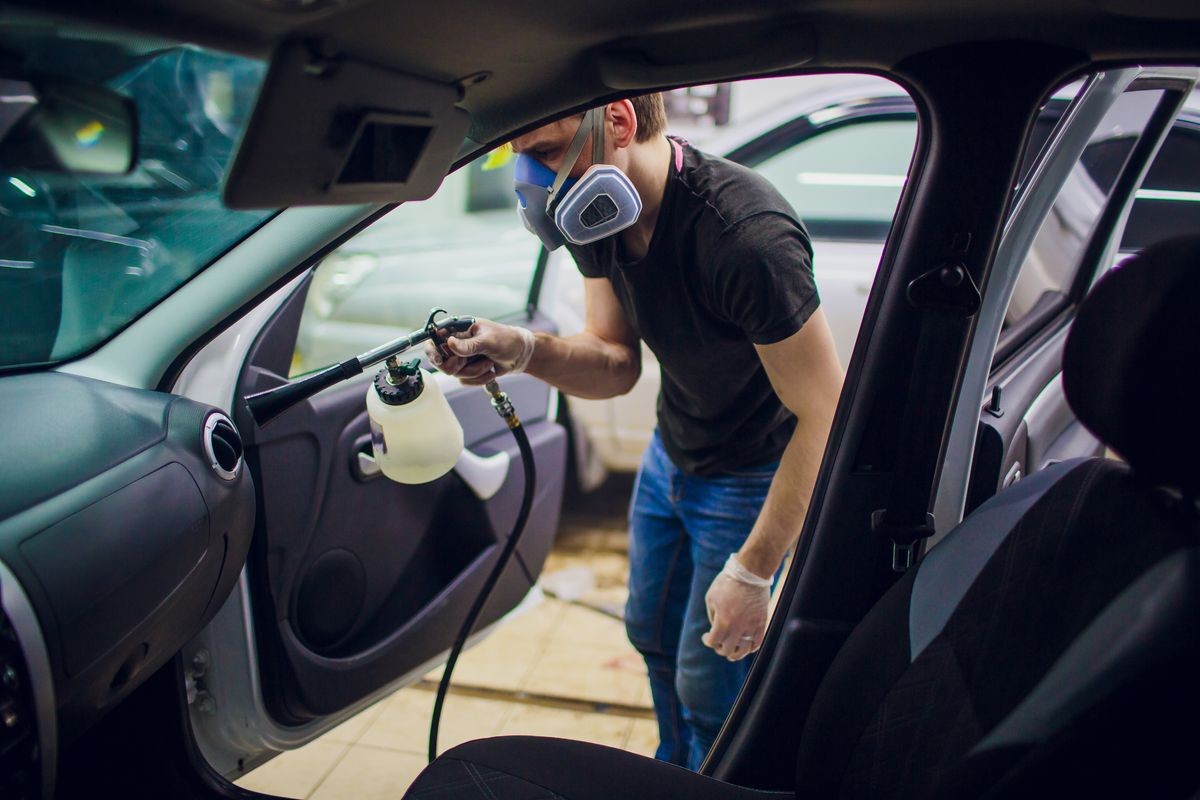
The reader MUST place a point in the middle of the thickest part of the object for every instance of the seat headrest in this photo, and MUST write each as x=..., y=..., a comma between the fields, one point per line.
x=1131, y=361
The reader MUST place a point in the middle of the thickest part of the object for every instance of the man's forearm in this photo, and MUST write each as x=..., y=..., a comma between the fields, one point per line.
x=585, y=365
x=779, y=522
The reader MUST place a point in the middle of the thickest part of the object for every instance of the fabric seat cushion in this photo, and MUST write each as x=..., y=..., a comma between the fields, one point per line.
x=890, y=722
x=539, y=768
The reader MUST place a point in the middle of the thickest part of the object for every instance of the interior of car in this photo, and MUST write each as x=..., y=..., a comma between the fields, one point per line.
x=995, y=589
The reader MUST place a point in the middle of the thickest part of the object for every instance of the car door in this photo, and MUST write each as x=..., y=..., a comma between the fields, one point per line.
x=1065, y=230
x=356, y=585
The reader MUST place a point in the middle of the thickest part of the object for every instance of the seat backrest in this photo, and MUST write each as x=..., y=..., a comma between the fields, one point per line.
x=1050, y=641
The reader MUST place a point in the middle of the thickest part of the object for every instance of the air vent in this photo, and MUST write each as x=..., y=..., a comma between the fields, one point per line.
x=222, y=446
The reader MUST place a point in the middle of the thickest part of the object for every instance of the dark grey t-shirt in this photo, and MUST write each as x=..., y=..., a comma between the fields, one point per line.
x=729, y=266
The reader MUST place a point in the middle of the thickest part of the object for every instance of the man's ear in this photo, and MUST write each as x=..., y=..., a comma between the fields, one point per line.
x=622, y=122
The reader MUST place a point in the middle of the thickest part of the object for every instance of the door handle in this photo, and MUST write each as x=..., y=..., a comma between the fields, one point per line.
x=484, y=475
x=365, y=467
x=1014, y=475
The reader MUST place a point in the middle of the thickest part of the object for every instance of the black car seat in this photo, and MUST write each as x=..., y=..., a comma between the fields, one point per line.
x=1047, y=647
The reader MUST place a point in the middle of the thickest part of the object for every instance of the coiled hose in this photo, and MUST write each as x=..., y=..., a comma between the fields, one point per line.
x=504, y=408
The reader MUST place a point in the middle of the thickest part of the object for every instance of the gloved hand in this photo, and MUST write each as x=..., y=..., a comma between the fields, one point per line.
x=484, y=352
x=737, y=608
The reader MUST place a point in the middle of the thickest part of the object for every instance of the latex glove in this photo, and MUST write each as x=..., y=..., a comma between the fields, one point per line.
x=484, y=352
x=737, y=609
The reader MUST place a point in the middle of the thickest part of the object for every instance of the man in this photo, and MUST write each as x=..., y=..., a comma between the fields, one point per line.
x=715, y=275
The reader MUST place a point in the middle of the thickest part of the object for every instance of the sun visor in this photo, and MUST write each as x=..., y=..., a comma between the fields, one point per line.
x=330, y=131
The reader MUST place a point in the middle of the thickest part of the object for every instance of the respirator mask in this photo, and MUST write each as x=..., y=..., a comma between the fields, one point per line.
x=581, y=211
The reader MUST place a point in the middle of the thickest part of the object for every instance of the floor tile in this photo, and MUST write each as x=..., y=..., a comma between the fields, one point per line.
x=595, y=537
x=297, y=772
x=614, y=596
x=644, y=698
x=349, y=731
x=608, y=729
x=369, y=773
x=499, y=662
x=589, y=672
x=612, y=569
x=539, y=622
x=643, y=737
x=586, y=626
x=404, y=721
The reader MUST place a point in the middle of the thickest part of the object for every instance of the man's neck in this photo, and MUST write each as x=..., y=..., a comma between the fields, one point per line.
x=649, y=167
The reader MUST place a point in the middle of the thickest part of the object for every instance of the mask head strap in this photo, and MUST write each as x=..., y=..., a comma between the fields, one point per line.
x=598, y=115
x=568, y=164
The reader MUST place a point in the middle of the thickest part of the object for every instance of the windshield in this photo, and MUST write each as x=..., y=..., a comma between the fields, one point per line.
x=83, y=256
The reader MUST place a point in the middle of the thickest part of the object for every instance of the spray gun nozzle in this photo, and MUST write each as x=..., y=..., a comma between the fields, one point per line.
x=398, y=373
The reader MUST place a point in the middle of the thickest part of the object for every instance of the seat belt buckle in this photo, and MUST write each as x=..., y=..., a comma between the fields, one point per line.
x=905, y=538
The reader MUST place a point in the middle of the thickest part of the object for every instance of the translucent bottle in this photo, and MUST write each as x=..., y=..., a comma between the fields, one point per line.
x=415, y=435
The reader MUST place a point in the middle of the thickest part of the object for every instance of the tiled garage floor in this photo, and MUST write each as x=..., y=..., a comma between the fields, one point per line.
x=553, y=669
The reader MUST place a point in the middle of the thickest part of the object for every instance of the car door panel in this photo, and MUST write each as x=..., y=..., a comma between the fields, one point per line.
x=358, y=581
x=1027, y=425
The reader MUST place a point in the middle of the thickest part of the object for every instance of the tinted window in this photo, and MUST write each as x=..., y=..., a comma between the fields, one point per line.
x=1053, y=260
x=82, y=256
x=845, y=182
x=1168, y=204
x=464, y=249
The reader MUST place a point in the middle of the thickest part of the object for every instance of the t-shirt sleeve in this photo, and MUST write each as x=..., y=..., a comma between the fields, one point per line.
x=586, y=262
x=763, y=277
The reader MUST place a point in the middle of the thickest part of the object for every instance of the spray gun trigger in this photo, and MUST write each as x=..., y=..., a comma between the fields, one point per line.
x=435, y=336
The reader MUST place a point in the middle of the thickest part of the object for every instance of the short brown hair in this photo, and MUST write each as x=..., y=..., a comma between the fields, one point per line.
x=651, y=116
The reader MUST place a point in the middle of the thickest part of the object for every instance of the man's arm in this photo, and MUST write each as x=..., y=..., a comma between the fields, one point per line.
x=805, y=373
x=604, y=360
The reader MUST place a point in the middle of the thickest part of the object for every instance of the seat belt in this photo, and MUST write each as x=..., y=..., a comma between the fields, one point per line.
x=948, y=299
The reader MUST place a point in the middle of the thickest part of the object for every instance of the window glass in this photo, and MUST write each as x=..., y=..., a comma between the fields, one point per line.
x=846, y=181
x=1168, y=204
x=1052, y=261
x=464, y=250
x=83, y=256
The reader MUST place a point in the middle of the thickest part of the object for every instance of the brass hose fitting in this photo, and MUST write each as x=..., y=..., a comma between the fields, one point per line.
x=502, y=404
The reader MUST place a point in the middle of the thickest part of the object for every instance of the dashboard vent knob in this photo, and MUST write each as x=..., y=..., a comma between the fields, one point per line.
x=222, y=445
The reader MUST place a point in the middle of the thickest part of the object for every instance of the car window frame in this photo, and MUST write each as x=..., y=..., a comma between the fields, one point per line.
x=1105, y=234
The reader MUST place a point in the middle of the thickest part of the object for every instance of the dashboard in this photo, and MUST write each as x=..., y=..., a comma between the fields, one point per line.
x=125, y=519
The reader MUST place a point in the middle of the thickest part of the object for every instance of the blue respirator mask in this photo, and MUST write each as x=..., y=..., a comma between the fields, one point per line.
x=581, y=211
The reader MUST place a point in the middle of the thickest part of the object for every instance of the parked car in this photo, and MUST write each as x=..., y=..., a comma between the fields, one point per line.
x=186, y=592
x=837, y=147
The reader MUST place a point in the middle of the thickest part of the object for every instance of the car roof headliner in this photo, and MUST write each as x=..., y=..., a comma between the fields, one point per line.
x=542, y=59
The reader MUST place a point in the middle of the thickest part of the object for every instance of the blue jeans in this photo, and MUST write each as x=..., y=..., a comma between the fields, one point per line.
x=681, y=529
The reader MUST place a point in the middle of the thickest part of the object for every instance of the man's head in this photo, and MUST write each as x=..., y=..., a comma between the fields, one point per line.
x=570, y=191
x=626, y=122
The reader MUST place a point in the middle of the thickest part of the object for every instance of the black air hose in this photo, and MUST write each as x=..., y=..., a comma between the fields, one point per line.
x=503, y=407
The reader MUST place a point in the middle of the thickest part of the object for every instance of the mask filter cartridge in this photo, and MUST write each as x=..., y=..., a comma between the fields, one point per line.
x=602, y=203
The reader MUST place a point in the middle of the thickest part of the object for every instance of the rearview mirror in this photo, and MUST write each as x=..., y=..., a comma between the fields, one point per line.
x=51, y=125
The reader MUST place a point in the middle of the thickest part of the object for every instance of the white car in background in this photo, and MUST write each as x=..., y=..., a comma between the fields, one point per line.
x=837, y=147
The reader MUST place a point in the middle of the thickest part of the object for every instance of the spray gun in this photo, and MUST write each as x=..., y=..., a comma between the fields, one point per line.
x=265, y=406
x=500, y=401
